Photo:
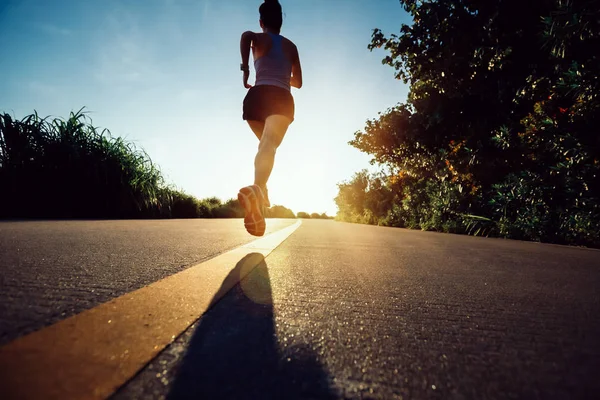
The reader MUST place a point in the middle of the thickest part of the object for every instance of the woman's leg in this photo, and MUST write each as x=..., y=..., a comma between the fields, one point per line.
x=257, y=127
x=274, y=130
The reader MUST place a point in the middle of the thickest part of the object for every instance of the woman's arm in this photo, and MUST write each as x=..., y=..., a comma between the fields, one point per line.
x=296, y=80
x=245, y=44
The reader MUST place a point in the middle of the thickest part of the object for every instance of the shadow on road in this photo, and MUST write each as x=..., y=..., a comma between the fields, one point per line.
x=234, y=352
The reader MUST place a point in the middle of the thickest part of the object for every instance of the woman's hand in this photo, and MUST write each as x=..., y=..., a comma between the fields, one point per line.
x=245, y=79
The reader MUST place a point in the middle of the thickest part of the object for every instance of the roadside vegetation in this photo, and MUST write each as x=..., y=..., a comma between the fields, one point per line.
x=305, y=215
x=57, y=168
x=499, y=133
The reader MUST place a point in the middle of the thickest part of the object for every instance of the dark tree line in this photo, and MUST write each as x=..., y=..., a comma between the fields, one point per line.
x=499, y=133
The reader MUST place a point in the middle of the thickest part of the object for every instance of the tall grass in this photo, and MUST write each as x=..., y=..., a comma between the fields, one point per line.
x=56, y=168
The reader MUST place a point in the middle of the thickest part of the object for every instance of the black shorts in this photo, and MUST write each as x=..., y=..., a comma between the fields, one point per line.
x=263, y=101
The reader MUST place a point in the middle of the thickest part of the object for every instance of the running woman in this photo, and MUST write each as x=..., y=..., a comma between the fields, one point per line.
x=268, y=105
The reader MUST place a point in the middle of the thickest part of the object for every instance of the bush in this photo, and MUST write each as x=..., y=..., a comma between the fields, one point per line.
x=231, y=209
x=279, y=212
x=184, y=206
x=71, y=169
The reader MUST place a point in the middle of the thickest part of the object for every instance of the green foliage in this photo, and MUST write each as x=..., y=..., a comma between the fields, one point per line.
x=364, y=199
x=313, y=215
x=72, y=169
x=319, y=216
x=230, y=209
x=184, y=205
x=498, y=135
x=279, y=212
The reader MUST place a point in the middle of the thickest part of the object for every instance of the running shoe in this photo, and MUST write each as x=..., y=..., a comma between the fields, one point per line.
x=252, y=200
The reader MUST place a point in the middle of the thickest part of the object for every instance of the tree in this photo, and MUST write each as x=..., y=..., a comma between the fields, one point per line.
x=366, y=198
x=279, y=212
x=499, y=121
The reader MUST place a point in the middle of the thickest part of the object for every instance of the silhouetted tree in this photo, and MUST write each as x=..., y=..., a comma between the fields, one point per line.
x=280, y=212
x=500, y=121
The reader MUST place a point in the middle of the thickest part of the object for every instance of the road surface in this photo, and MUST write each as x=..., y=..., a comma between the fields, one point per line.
x=336, y=311
x=52, y=270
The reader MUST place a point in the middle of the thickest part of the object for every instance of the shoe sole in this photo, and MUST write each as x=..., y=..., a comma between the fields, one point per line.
x=254, y=220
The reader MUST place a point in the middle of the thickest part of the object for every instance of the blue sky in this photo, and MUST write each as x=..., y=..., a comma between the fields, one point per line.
x=165, y=75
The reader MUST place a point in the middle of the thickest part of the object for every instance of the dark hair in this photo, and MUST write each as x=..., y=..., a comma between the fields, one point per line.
x=271, y=14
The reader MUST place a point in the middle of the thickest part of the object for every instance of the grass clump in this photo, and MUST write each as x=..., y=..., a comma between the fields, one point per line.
x=57, y=168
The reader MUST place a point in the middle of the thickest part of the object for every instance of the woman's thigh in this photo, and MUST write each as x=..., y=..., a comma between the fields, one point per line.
x=257, y=127
x=275, y=128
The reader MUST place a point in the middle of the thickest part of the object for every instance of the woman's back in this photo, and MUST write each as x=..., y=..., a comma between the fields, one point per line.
x=274, y=66
x=275, y=60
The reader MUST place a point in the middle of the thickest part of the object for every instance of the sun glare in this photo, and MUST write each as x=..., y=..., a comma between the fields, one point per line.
x=302, y=186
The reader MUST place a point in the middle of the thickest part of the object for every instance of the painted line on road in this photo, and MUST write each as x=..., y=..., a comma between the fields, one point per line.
x=91, y=354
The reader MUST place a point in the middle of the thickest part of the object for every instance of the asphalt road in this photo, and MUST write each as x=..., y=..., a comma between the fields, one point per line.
x=52, y=270
x=350, y=311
